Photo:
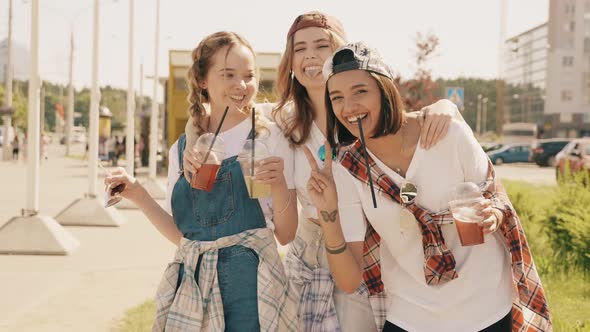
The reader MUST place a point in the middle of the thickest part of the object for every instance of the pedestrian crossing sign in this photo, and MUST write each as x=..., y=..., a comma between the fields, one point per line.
x=456, y=95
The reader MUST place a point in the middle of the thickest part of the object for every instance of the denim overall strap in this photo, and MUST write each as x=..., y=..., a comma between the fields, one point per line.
x=225, y=211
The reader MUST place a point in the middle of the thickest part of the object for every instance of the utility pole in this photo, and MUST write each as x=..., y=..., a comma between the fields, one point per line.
x=484, y=126
x=155, y=108
x=500, y=79
x=42, y=106
x=478, y=115
x=70, y=107
x=6, y=151
x=94, y=103
x=130, y=146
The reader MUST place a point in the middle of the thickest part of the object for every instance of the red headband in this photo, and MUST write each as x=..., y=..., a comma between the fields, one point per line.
x=317, y=19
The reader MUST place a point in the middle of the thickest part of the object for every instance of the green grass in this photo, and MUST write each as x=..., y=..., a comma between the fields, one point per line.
x=137, y=319
x=567, y=286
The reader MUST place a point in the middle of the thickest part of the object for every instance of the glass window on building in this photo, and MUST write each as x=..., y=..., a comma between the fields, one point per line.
x=565, y=117
x=567, y=61
x=586, y=117
x=566, y=96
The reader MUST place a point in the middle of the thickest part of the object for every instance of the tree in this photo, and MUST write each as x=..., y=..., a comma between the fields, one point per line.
x=420, y=90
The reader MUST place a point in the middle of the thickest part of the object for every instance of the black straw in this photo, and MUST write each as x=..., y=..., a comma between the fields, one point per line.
x=216, y=133
x=366, y=155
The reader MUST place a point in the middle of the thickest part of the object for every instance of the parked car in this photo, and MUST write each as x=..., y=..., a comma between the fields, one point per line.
x=543, y=151
x=490, y=146
x=512, y=153
x=577, y=155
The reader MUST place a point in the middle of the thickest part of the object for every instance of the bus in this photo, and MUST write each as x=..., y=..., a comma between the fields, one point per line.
x=519, y=133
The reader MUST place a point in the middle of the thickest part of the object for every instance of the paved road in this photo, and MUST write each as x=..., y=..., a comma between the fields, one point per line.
x=113, y=270
x=527, y=172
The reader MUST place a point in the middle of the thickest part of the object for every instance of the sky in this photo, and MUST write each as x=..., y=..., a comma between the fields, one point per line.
x=469, y=31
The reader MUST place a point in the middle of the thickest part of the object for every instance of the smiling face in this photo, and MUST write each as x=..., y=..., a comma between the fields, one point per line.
x=311, y=47
x=231, y=78
x=355, y=94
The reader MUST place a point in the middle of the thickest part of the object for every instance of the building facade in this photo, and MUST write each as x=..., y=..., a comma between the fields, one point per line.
x=567, y=101
x=525, y=65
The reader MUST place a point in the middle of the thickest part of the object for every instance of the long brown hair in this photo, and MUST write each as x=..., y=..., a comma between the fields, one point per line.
x=296, y=127
x=201, y=57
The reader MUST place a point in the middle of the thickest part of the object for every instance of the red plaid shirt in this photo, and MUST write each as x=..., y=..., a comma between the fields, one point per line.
x=530, y=311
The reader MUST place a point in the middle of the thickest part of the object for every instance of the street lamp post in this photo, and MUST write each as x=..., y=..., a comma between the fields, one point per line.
x=478, y=115
x=8, y=95
x=155, y=108
x=32, y=233
x=484, y=115
x=130, y=146
x=151, y=185
x=91, y=210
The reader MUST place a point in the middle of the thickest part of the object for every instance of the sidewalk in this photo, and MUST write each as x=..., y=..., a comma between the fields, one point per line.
x=113, y=270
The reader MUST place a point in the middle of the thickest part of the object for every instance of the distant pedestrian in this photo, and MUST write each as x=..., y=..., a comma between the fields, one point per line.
x=44, y=146
x=15, y=148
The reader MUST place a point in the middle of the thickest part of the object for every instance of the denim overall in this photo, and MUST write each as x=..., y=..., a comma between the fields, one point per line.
x=225, y=211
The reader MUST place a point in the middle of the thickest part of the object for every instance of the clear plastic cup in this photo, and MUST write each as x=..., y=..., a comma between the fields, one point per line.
x=212, y=152
x=112, y=195
x=255, y=189
x=467, y=196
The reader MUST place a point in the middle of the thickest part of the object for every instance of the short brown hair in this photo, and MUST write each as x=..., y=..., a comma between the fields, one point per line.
x=390, y=120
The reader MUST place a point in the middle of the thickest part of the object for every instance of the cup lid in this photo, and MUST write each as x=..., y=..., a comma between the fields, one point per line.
x=260, y=150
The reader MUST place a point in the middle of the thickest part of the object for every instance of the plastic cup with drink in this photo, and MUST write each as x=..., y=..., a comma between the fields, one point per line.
x=252, y=153
x=211, y=149
x=467, y=196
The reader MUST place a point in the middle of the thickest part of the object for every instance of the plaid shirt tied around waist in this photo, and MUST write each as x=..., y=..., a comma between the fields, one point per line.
x=198, y=306
x=317, y=312
x=530, y=310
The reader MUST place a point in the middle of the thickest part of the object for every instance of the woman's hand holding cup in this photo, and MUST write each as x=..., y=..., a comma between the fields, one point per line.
x=119, y=182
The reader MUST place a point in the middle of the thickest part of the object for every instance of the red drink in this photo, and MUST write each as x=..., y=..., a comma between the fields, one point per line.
x=470, y=233
x=205, y=177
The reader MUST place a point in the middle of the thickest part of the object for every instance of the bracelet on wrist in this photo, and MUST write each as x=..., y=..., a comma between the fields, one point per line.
x=336, y=250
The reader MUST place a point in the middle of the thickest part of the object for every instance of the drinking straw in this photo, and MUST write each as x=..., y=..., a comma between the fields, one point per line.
x=253, y=135
x=366, y=155
x=216, y=133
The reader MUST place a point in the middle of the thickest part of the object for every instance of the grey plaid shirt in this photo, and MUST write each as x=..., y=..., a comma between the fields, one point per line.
x=316, y=302
x=198, y=307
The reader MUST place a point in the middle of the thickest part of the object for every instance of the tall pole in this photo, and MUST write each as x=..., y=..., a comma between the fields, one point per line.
x=94, y=102
x=484, y=116
x=42, y=105
x=70, y=107
x=33, y=132
x=140, y=106
x=8, y=95
x=478, y=116
x=130, y=146
x=8, y=82
x=500, y=80
x=155, y=108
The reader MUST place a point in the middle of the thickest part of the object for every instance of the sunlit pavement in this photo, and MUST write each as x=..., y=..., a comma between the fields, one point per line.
x=114, y=269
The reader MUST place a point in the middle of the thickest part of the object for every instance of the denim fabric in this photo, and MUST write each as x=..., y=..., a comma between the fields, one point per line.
x=225, y=211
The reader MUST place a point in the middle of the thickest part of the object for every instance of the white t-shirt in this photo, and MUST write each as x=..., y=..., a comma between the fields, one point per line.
x=483, y=292
x=234, y=139
x=353, y=232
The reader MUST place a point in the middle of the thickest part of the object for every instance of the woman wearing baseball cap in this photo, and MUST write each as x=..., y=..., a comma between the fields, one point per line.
x=412, y=250
x=301, y=113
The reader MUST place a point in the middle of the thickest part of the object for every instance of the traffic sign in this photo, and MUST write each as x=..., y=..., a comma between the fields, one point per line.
x=456, y=95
